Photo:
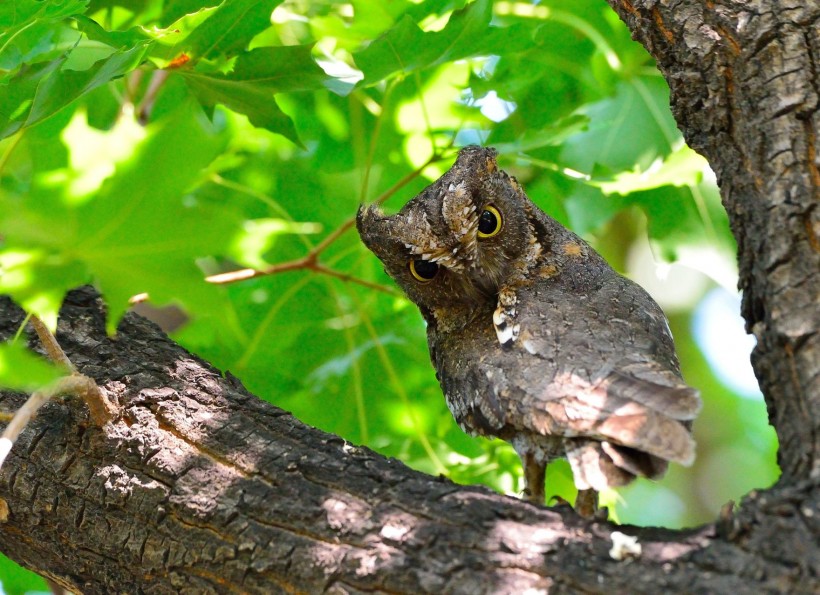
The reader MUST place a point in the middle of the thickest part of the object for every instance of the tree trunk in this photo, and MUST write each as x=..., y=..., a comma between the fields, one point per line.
x=200, y=486
x=744, y=81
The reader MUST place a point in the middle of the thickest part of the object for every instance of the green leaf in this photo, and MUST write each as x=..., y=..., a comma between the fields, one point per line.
x=175, y=34
x=405, y=47
x=34, y=30
x=255, y=102
x=20, y=14
x=256, y=77
x=553, y=135
x=627, y=131
x=138, y=236
x=22, y=369
x=41, y=92
x=141, y=232
x=115, y=39
x=588, y=208
x=684, y=167
x=37, y=278
x=174, y=10
x=18, y=580
x=231, y=27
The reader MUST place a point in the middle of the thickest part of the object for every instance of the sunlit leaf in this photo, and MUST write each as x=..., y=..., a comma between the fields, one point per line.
x=405, y=47
x=684, y=167
x=230, y=27
x=41, y=92
x=135, y=236
x=22, y=369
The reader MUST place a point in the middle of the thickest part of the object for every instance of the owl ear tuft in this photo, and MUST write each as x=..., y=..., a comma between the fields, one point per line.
x=478, y=161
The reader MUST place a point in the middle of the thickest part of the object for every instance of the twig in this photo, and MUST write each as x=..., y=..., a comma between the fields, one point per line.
x=101, y=409
x=53, y=349
x=294, y=265
x=158, y=78
x=311, y=260
x=320, y=268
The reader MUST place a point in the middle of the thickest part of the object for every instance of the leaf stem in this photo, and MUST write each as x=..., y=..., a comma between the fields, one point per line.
x=158, y=78
x=102, y=410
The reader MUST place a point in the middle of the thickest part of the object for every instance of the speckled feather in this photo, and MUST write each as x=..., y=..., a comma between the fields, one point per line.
x=534, y=337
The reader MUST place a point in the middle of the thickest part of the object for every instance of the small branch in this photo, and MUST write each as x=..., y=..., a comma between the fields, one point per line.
x=293, y=265
x=320, y=268
x=158, y=78
x=101, y=409
x=242, y=274
x=311, y=260
x=53, y=350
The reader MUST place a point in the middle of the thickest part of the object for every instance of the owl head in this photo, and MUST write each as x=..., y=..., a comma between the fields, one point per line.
x=459, y=240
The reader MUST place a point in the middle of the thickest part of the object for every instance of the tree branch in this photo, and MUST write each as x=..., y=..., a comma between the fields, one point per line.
x=202, y=485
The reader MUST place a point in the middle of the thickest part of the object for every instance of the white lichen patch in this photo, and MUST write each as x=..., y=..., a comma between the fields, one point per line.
x=506, y=329
x=624, y=546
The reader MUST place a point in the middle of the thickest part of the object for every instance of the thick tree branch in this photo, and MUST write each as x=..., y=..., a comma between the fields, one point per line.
x=200, y=485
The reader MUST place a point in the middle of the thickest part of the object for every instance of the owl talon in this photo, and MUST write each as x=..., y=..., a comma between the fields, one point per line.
x=586, y=504
x=534, y=474
x=557, y=500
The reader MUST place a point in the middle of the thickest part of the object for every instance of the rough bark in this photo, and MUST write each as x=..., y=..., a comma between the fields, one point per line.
x=745, y=91
x=200, y=486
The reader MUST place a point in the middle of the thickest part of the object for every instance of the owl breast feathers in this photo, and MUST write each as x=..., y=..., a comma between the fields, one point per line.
x=534, y=337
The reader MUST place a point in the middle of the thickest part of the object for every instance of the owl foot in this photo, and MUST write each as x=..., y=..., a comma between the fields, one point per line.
x=586, y=504
x=534, y=474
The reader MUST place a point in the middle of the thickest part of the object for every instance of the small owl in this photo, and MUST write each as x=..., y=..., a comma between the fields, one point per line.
x=534, y=337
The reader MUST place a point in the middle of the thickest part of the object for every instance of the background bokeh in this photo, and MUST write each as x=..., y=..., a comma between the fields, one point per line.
x=273, y=121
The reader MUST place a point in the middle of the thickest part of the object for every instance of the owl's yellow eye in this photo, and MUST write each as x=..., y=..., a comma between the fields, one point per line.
x=423, y=270
x=489, y=222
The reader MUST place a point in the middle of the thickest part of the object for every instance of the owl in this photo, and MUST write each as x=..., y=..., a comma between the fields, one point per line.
x=534, y=337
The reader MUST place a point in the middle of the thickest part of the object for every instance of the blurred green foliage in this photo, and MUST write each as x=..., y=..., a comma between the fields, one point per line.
x=146, y=144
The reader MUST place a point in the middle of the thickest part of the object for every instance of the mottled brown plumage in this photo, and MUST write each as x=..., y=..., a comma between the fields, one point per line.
x=534, y=337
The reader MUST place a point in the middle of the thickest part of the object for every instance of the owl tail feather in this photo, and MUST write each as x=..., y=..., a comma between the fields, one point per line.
x=658, y=389
x=593, y=468
x=601, y=465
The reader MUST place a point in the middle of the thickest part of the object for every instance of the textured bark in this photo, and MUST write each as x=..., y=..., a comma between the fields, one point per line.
x=745, y=91
x=200, y=486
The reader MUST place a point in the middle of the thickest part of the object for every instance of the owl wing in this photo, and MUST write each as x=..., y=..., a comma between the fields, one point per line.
x=611, y=383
